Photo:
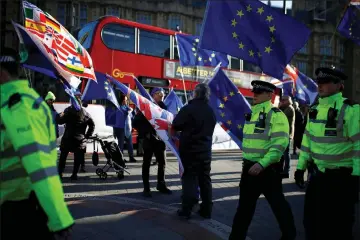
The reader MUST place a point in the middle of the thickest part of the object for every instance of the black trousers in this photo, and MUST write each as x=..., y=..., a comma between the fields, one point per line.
x=267, y=183
x=23, y=220
x=330, y=205
x=196, y=174
x=79, y=159
x=157, y=148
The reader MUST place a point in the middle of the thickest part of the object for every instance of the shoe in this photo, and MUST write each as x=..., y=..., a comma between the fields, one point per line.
x=74, y=177
x=147, y=193
x=153, y=163
x=184, y=214
x=204, y=214
x=82, y=169
x=163, y=189
x=284, y=175
x=132, y=159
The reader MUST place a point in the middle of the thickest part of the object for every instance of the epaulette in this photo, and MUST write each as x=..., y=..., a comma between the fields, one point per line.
x=14, y=99
x=350, y=102
x=275, y=109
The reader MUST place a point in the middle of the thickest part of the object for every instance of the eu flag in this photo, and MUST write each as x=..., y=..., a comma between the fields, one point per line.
x=254, y=32
x=71, y=92
x=191, y=55
x=229, y=105
x=305, y=89
x=173, y=103
x=349, y=26
x=100, y=90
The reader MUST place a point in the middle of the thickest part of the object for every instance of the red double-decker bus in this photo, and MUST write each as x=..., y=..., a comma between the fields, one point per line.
x=123, y=48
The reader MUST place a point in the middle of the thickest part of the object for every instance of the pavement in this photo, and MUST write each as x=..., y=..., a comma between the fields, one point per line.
x=116, y=209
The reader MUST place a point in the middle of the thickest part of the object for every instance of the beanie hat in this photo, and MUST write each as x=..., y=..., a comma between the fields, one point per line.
x=50, y=95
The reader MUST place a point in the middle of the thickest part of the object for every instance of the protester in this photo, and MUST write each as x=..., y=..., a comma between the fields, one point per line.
x=196, y=121
x=50, y=99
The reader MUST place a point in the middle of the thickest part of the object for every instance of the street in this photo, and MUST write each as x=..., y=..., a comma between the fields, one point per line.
x=116, y=209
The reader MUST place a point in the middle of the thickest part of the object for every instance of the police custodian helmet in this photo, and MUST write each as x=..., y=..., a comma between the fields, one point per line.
x=260, y=86
x=327, y=75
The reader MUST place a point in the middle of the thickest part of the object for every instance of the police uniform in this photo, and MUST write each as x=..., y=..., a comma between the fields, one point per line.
x=32, y=198
x=266, y=136
x=331, y=142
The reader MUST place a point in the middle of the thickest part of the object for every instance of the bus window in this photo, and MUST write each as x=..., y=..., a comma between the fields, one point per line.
x=118, y=37
x=154, y=44
x=85, y=34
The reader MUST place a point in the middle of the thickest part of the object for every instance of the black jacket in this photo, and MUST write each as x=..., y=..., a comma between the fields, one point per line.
x=196, y=121
x=74, y=137
x=143, y=126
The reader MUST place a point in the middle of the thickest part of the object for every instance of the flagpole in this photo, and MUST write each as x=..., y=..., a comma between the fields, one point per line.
x=182, y=75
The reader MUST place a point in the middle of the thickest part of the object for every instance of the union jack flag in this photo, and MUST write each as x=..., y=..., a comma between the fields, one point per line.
x=159, y=118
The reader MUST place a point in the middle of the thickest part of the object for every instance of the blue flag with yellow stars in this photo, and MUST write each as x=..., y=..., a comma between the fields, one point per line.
x=254, y=32
x=349, y=26
x=100, y=90
x=229, y=105
x=191, y=55
x=173, y=103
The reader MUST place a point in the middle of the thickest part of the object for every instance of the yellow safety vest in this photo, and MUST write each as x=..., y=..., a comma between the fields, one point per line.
x=28, y=153
x=265, y=144
x=332, y=146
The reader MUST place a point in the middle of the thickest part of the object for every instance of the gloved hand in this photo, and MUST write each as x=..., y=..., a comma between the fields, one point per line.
x=299, y=178
x=64, y=234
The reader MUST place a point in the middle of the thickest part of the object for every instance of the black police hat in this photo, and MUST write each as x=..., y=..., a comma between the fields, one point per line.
x=8, y=55
x=262, y=86
x=326, y=75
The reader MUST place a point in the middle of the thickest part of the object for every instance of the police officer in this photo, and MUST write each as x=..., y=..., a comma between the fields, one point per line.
x=31, y=195
x=332, y=143
x=266, y=136
x=152, y=145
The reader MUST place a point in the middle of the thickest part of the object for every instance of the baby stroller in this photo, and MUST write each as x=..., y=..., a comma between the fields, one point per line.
x=114, y=158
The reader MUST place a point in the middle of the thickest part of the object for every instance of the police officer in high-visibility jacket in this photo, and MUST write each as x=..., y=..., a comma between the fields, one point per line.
x=266, y=136
x=31, y=194
x=331, y=142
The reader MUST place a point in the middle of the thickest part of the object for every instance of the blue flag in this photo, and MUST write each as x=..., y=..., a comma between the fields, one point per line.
x=229, y=105
x=254, y=32
x=173, y=102
x=142, y=90
x=100, y=90
x=305, y=89
x=349, y=26
x=191, y=55
x=71, y=92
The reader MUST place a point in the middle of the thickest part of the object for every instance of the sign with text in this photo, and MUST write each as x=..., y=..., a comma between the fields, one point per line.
x=200, y=74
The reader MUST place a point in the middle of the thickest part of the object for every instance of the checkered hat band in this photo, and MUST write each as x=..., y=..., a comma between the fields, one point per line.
x=323, y=75
x=7, y=59
x=262, y=87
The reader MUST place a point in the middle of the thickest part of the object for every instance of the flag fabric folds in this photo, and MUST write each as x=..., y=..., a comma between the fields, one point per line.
x=191, y=55
x=65, y=53
x=142, y=90
x=349, y=26
x=229, y=105
x=159, y=118
x=254, y=32
x=100, y=90
x=71, y=92
x=173, y=103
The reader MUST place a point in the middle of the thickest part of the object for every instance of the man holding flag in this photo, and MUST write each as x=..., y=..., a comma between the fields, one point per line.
x=196, y=121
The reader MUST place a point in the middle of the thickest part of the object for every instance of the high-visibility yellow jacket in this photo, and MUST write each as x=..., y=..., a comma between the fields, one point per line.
x=265, y=144
x=332, y=147
x=28, y=153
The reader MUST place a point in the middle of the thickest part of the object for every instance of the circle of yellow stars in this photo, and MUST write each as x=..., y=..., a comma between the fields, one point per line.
x=223, y=100
x=272, y=30
x=200, y=58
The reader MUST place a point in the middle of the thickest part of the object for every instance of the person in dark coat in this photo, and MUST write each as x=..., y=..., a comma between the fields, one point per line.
x=152, y=145
x=74, y=138
x=299, y=128
x=50, y=99
x=196, y=122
